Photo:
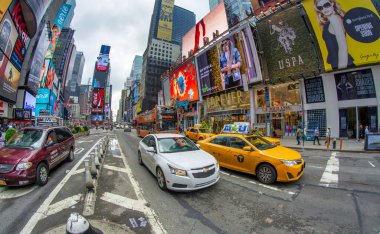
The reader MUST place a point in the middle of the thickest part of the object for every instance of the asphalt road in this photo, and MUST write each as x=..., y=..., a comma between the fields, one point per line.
x=339, y=193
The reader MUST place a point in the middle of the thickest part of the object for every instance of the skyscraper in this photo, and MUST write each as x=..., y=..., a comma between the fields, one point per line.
x=164, y=47
x=136, y=68
x=70, y=15
x=76, y=77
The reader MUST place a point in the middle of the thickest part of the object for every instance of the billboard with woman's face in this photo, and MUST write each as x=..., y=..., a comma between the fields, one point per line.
x=228, y=64
x=347, y=31
x=97, y=100
x=8, y=35
x=183, y=83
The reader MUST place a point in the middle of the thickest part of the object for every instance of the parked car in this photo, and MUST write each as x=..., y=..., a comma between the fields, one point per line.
x=255, y=155
x=32, y=152
x=177, y=162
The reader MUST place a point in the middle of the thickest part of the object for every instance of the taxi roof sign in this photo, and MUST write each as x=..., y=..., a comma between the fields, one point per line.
x=237, y=127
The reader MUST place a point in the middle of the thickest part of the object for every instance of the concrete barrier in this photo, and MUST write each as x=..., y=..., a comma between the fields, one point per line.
x=93, y=170
x=89, y=182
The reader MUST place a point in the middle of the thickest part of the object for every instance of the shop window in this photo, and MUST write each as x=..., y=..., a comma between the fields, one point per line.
x=260, y=98
x=285, y=94
x=317, y=118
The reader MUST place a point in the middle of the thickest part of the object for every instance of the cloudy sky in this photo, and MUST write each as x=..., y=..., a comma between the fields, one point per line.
x=122, y=24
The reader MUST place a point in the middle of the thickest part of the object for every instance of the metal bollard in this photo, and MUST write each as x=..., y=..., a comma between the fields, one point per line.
x=76, y=223
x=89, y=182
x=93, y=170
x=334, y=143
x=340, y=143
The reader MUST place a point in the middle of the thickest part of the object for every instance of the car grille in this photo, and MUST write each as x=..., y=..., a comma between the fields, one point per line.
x=206, y=183
x=4, y=168
x=203, y=172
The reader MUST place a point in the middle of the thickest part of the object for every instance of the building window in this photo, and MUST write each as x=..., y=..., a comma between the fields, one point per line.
x=317, y=118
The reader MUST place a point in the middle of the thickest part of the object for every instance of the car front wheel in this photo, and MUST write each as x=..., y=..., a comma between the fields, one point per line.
x=266, y=174
x=42, y=174
x=161, y=179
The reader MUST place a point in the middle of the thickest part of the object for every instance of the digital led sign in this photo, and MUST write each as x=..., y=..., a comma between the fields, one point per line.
x=183, y=83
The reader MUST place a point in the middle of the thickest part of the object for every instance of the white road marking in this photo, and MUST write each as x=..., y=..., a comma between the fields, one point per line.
x=225, y=173
x=7, y=193
x=151, y=215
x=28, y=228
x=116, y=156
x=330, y=175
x=85, y=141
x=272, y=188
x=311, y=166
x=78, y=171
x=115, y=168
x=125, y=202
x=78, y=150
x=371, y=164
x=64, y=204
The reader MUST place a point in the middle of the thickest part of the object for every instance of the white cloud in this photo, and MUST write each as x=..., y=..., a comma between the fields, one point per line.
x=122, y=24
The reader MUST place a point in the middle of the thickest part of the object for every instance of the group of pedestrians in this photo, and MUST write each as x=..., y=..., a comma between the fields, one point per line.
x=301, y=134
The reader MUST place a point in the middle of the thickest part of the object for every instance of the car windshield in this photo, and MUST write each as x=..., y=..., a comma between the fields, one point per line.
x=176, y=144
x=258, y=133
x=204, y=130
x=260, y=142
x=26, y=139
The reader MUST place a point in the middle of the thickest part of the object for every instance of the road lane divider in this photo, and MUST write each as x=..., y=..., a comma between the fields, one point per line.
x=330, y=175
x=42, y=210
x=64, y=204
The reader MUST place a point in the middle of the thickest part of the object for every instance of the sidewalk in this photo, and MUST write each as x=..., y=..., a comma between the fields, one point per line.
x=348, y=145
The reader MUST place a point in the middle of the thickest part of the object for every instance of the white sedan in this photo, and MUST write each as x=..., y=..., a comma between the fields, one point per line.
x=177, y=162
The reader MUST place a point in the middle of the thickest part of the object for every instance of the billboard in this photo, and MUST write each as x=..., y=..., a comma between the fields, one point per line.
x=102, y=62
x=229, y=63
x=351, y=37
x=30, y=102
x=100, y=79
x=37, y=61
x=23, y=114
x=97, y=103
x=18, y=18
x=183, y=83
x=288, y=49
x=9, y=78
x=43, y=96
x=18, y=54
x=214, y=21
x=47, y=74
x=165, y=22
x=33, y=12
x=105, y=49
x=98, y=118
x=4, y=4
x=8, y=35
x=355, y=85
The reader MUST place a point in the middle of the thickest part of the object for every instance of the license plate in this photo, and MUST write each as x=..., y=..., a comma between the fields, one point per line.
x=2, y=182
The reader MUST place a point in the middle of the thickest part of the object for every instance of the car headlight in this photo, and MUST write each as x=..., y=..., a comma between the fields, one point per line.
x=289, y=162
x=177, y=172
x=23, y=166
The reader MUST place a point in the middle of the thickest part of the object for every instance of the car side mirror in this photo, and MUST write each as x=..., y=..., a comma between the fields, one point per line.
x=151, y=150
x=247, y=148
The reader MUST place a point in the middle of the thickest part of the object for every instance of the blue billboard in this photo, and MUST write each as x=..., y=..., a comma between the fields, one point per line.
x=43, y=96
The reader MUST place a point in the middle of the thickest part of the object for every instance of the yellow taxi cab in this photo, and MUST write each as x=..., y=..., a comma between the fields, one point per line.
x=237, y=150
x=197, y=133
x=270, y=139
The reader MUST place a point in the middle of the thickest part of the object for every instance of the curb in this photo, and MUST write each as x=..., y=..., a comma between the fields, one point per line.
x=332, y=150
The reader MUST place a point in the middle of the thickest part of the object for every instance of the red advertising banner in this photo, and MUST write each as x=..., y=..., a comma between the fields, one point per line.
x=183, y=83
x=97, y=100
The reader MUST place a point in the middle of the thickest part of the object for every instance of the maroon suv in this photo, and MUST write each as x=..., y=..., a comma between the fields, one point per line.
x=32, y=152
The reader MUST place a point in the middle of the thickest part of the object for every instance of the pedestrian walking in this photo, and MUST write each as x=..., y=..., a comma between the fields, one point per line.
x=328, y=135
x=299, y=135
x=361, y=132
x=316, y=136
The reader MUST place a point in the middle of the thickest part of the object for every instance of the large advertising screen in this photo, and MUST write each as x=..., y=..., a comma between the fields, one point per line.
x=30, y=102
x=97, y=103
x=38, y=60
x=47, y=74
x=4, y=4
x=8, y=35
x=18, y=18
x=9, y=78
x=347, y=31
x=287, y=46
x=18, y=54
x=43, y=96
x=105, y=49
x=213, y=21
x=229, y=63
x=183, y=83
x=355, y=85
x=100, y=79
x=165, y=22
x=33, y=13
x=102, y=62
